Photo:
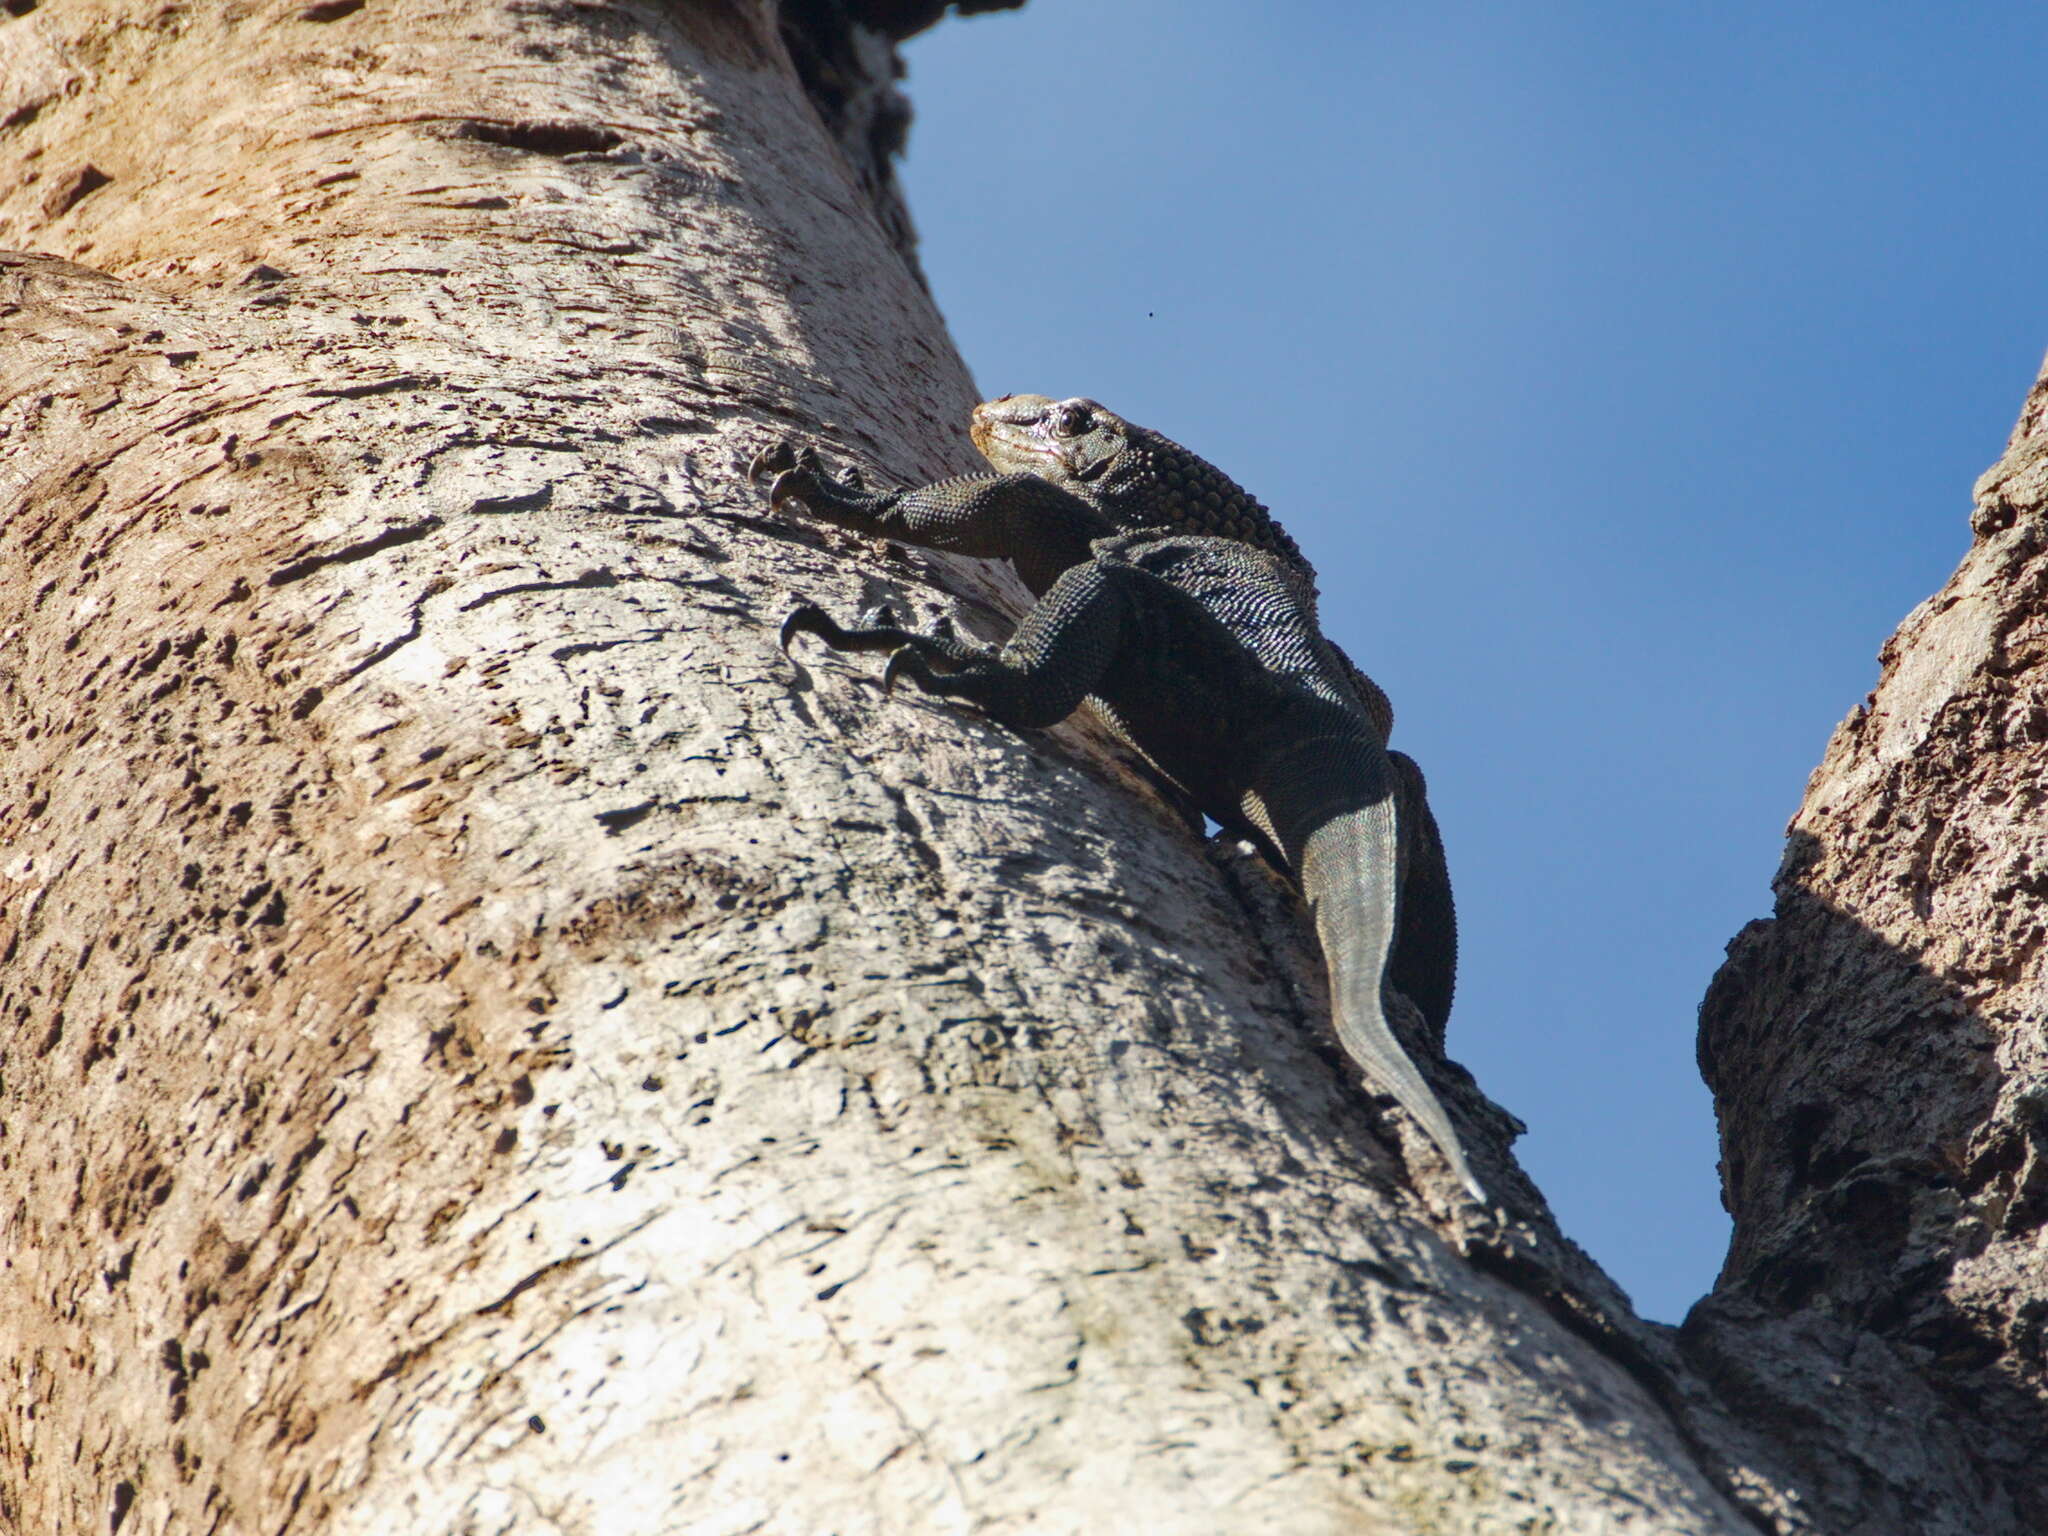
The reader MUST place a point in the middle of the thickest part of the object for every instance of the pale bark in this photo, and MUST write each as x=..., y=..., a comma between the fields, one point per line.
x=490, y=1044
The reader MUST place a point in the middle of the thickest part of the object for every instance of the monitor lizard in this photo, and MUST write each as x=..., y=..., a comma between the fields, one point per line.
x=1171, y=600
x=1139, y=478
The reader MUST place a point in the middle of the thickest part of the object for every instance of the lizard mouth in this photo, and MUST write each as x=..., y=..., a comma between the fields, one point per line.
x=1006, y=429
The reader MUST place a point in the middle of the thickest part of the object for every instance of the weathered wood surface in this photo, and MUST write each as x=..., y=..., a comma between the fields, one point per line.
x=490, y=1044
x=1879, y=1053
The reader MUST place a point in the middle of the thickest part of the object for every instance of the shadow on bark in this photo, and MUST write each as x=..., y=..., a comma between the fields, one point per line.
x=1863, y=1160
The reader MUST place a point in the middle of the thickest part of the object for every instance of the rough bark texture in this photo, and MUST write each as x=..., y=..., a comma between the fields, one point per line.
x=488, y=1043
x=1878, y=1055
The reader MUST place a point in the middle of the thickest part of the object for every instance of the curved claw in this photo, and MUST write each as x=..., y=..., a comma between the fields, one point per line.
x=773, y=459
x=806, y=619
x=787, y=484
x=902, y=663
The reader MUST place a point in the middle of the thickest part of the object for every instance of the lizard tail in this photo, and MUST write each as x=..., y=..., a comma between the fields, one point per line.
x=1332, y=810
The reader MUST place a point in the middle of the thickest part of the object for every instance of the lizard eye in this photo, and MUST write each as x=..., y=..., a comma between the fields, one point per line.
x=1070, y=420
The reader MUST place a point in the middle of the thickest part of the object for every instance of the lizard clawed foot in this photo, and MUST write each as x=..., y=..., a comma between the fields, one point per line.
x=885, y=615
x=779, y=456
x=799, y=484
x=911, y=654
x=796, y=473
x=906, y=662
x=790, y=470
x=932, y=671
x=773, y=459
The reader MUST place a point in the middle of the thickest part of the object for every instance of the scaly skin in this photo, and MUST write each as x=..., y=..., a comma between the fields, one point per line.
x=1130, y=477
x=1137, y=478
x=1203, y=653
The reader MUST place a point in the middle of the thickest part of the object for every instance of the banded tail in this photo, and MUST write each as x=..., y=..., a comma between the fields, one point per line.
x=1330, y=805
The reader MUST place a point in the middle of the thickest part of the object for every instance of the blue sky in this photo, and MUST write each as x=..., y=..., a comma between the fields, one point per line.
x=1624, y=369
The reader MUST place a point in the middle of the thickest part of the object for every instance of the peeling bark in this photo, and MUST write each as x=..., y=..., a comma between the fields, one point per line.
x=490, y=1043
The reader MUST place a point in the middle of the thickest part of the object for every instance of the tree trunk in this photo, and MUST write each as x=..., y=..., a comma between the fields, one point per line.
x=1878, y=1056
x=491, y=1044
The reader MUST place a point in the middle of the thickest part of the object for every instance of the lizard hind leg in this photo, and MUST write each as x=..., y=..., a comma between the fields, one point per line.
x=1424, y=963
x=1058, y=654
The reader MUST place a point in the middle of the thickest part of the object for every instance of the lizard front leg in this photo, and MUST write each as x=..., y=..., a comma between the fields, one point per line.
x=1037, y=526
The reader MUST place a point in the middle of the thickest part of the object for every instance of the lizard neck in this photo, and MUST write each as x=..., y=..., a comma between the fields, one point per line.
x=1155, y=482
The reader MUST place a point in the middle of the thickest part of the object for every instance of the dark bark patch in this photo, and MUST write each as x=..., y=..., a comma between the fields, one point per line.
x=330, y=10
x=375, y=387
x=390, y=538
x=615, y=822
x=543, y=138
x=74, y=189
x=502, y=506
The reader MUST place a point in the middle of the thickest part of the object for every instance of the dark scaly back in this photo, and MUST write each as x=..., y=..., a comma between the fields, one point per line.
x=1157, y=482
x=1138, y=478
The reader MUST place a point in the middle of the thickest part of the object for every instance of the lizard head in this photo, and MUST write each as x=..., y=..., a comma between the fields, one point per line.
x=1136, y=477
x=1072, y=443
